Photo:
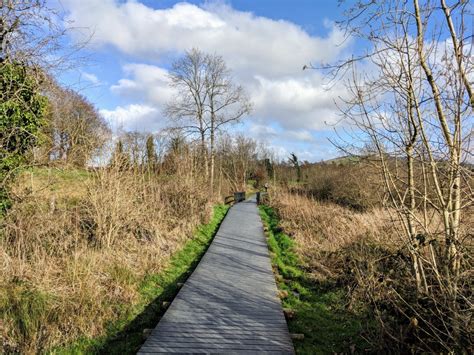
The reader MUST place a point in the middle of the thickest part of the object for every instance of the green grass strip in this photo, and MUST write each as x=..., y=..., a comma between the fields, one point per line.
x=125, y=335
x=320, y=309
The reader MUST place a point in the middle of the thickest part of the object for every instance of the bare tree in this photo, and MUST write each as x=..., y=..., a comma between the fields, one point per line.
x=32, y=33
x=76, y=130
x=226, y=103
x=207, y=100
x=414, y=106
x=135, y=146
x=237, y=159
x=188, y=108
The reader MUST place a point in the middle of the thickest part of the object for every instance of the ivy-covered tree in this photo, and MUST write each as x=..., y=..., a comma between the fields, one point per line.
x=22, y=114
x=293, y=160
x=269, y=168
x=120, y=159
x=151, y=152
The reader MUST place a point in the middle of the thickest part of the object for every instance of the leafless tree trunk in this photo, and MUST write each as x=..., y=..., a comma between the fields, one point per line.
x=206, y=101
x=226, y=104
x=187, y=109
x=415, y=105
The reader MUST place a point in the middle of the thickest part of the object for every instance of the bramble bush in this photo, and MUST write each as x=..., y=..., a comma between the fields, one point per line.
x=22, y=114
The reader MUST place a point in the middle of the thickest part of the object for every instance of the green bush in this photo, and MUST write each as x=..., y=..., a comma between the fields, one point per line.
x=22, y=114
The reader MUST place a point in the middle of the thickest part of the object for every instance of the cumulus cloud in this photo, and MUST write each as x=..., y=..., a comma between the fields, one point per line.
x=249, y=43
x=266, y=56
x=147, y=82
x=282, y=142
x=92, y=78
x=133, y=117
x=294, y=103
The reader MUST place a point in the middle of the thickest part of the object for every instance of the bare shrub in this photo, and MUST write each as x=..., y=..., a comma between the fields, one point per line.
x=413, y=109
x=351, y=184
x=70, y=267
x=366, y=252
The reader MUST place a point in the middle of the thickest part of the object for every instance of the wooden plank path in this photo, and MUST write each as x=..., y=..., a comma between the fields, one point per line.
x=229, y=304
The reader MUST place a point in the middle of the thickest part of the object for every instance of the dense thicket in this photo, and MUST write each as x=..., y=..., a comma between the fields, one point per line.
x=75, y=131
x=22, y=116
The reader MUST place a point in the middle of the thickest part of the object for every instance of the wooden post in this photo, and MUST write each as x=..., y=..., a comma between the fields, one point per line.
x=239, y=196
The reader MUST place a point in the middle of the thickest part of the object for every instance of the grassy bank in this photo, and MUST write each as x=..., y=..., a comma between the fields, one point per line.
x=320, y=308
x=81, y=250
x=349, y=275
x=125, y=335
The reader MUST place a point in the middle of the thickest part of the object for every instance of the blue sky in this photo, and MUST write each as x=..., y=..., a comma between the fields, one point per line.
x=265, y=43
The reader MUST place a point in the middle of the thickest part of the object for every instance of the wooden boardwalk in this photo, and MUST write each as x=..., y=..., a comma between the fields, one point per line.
x=229, y=304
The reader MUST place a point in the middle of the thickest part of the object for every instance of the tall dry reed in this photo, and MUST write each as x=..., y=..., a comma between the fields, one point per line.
x=72, y=263
x=366, y=254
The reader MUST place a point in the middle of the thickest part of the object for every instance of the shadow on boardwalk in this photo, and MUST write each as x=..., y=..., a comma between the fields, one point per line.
x=230, y=303
x=129, y=339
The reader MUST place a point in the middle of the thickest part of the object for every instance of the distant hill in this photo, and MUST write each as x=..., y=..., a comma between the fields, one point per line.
x=351, y=159
x=345, y=160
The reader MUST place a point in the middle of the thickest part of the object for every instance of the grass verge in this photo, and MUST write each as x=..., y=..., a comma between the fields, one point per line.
x=320, y=308
x=125, y=335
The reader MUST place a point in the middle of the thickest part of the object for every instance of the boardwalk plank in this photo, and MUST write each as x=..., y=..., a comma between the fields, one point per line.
x=229, y=304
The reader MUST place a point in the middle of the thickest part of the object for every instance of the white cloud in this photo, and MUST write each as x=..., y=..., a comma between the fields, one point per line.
x=92, y=78
x=249, y=43
x=133, y=118
x=282, y=142
x=302, y=135
x=147, y=82
x=299, y=102
x=296, y=103
x=266, y=57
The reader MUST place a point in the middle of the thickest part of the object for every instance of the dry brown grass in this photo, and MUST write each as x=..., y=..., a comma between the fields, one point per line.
x=350, y=183
x=74, y=250
x=365, y=253
x=322, y=228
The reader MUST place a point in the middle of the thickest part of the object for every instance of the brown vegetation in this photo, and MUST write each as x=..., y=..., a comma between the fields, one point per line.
x=74, y=131
x=73, y=258
x=349, y=184
x=395, y=229
x=367, y=254
x=77, y=244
